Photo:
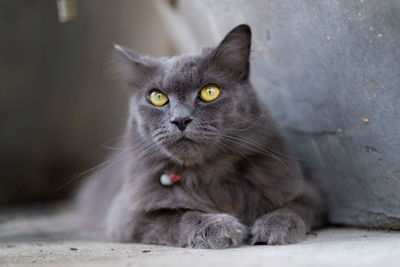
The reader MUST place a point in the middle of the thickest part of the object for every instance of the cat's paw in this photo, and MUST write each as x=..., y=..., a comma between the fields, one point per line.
x=279, y=227
x=217, y=231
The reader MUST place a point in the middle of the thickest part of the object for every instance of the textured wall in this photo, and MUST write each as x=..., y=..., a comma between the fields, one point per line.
x=330, y=74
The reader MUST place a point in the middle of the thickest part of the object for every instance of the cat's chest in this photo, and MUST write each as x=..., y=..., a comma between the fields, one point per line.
x=210, y=192
x=222, y=193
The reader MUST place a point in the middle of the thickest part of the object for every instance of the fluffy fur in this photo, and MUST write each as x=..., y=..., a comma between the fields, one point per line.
x=240, y=184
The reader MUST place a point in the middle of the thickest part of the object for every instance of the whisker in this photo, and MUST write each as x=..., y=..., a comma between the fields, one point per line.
x=270, y=152
x=114, y=139
x=263, y=148
x=72, y=178
x=113, y=148
x=255, y=148
x=221, y=145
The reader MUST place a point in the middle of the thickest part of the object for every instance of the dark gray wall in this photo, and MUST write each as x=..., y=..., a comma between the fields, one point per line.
x=330, y=74
x=57, y=105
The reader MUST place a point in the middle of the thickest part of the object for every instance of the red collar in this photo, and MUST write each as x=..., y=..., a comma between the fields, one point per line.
x=175, y=178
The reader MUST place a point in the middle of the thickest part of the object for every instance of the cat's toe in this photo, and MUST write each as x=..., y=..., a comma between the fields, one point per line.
x=219, y=231
x=280, y=227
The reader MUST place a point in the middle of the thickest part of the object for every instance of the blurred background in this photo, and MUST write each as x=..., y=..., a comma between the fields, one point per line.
x=57, y=103
x=329, y=72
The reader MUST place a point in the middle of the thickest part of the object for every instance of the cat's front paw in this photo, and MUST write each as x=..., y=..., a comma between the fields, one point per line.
x=217, y=231
x=279, y=227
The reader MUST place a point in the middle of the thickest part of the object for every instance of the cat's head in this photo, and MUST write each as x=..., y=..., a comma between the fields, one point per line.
x=186, y=105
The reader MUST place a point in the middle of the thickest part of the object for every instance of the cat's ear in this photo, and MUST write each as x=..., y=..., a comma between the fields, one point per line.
x=232, y=54
x=131, y=67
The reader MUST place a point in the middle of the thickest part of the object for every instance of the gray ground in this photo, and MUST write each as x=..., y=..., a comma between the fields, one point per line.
x=47, y=238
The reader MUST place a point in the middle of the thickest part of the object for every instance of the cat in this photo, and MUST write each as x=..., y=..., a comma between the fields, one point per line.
x=202, y=164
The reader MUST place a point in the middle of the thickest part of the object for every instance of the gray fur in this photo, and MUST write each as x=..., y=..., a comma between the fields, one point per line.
x=238, y=175
x=282, y=226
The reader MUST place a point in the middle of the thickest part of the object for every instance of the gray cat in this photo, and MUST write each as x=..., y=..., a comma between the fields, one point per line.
x=202, y=164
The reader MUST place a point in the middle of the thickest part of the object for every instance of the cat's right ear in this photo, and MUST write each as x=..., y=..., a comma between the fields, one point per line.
x=232, y=54
x=132, y=68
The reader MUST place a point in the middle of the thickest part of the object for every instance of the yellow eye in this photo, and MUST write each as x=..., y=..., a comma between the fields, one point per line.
x=158, y=98
x=210, y=92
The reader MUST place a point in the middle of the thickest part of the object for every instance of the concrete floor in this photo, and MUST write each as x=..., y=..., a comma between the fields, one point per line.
x=47, y=238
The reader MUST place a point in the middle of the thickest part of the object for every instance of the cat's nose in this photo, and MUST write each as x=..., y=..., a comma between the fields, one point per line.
x=181, y=122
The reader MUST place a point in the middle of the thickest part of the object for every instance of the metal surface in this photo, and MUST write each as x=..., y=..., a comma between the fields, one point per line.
x=330, y=73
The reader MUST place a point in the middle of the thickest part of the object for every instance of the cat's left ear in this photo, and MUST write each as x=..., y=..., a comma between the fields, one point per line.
x=133, y=68
x=232, y=54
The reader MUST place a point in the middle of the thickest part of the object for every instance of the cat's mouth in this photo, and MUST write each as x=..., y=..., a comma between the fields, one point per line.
x=184, y=140
x=184, y=148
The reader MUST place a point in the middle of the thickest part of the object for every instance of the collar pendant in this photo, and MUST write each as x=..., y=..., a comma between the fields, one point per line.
x=170, y=179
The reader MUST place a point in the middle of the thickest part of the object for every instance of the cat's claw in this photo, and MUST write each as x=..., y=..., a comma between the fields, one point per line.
x=218, y=231
x=280, y=227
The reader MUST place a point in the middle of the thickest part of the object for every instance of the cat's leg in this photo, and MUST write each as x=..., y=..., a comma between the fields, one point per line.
x=282, y=226
x=180, y=228
x=119, y=221
x=289, y=224
x=191, y=229
x=200, y=230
